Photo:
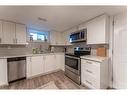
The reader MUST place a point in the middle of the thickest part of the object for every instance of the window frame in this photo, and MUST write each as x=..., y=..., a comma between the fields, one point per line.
x=45, y=33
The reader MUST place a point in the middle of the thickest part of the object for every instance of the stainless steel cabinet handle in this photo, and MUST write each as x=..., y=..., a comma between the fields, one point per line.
x=89, y=71
x=88, y=62
x=89, y=82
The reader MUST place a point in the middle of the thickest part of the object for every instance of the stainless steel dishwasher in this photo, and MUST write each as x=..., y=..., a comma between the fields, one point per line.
x=16, y=68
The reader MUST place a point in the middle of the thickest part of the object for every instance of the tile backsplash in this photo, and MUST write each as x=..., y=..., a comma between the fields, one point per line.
x=26, y=49
x=83, y=44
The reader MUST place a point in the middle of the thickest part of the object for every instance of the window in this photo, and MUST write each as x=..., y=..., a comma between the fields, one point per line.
x=38, y=36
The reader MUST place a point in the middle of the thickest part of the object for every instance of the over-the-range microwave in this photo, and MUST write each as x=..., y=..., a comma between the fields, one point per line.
x=78, y=36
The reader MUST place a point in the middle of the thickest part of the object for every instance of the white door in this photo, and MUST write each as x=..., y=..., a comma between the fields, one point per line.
x=37, y=65
x=120, y=52
x=3, y=72
x=9, y=32
x=20, y=34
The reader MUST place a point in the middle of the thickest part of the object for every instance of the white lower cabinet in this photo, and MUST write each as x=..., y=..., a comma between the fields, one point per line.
x=35, y=66
x=44, y=64
x=60, y=58
x=3, y=72
x=53, y=62
x=28, y=67
x=49, y=63
x=94, y=74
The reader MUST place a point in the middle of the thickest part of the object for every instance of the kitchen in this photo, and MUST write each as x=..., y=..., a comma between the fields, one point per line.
x=44, y=47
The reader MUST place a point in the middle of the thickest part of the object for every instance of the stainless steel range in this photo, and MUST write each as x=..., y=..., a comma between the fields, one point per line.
x=73, y=63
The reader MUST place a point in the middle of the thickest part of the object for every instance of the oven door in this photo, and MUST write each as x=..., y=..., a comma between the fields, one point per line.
x=73, y=64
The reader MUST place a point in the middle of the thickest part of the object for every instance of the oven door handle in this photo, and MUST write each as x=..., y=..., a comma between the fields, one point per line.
x=72, y=57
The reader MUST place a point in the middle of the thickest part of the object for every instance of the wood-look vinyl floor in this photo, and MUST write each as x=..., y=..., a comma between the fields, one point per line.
x=61, y=81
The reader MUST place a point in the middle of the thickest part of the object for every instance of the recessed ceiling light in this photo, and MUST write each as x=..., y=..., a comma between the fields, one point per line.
x=42, y=19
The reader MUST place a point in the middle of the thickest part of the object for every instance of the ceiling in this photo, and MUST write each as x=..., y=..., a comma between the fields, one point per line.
x=58, y=18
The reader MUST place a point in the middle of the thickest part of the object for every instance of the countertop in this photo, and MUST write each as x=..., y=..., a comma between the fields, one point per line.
x=96, y=58
x=28, y=55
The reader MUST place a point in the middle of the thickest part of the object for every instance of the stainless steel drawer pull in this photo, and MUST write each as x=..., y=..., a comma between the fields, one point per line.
x=89, y=71
x=88, y=82
x=89, y=62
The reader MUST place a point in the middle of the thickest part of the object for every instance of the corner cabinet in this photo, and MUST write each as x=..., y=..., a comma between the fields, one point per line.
x=94, y=73
x=53, y=62
x=98, y=30
x=3, y=72
x=56, y=38
x=66, y=36
x=46, y=63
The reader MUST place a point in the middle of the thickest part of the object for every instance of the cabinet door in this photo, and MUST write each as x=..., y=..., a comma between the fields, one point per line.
x=28, y=67
x=37, y=65
x=9, y=33
x=3, y=72
x=53, y=38
x=59, y=38
x=56, y=38
x=97, y=30
x=60, y=61
x=83, y=77
x=66, y=36
x=49, y=63
x=1, y=32
x=20, y=34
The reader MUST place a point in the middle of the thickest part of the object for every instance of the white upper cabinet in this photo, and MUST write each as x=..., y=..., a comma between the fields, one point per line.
x=1, y=32
x=66, y=36
x=8, y=32
x=20, y=34
x=97, y=30
x=56, y=38
x=12, y=33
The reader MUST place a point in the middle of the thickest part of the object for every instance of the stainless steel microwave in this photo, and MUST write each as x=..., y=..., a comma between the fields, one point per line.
x=78, y=36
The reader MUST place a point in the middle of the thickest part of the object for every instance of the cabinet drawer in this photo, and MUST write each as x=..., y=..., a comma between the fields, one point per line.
x=92, y=72
x=91, y=82
x=91, y=68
